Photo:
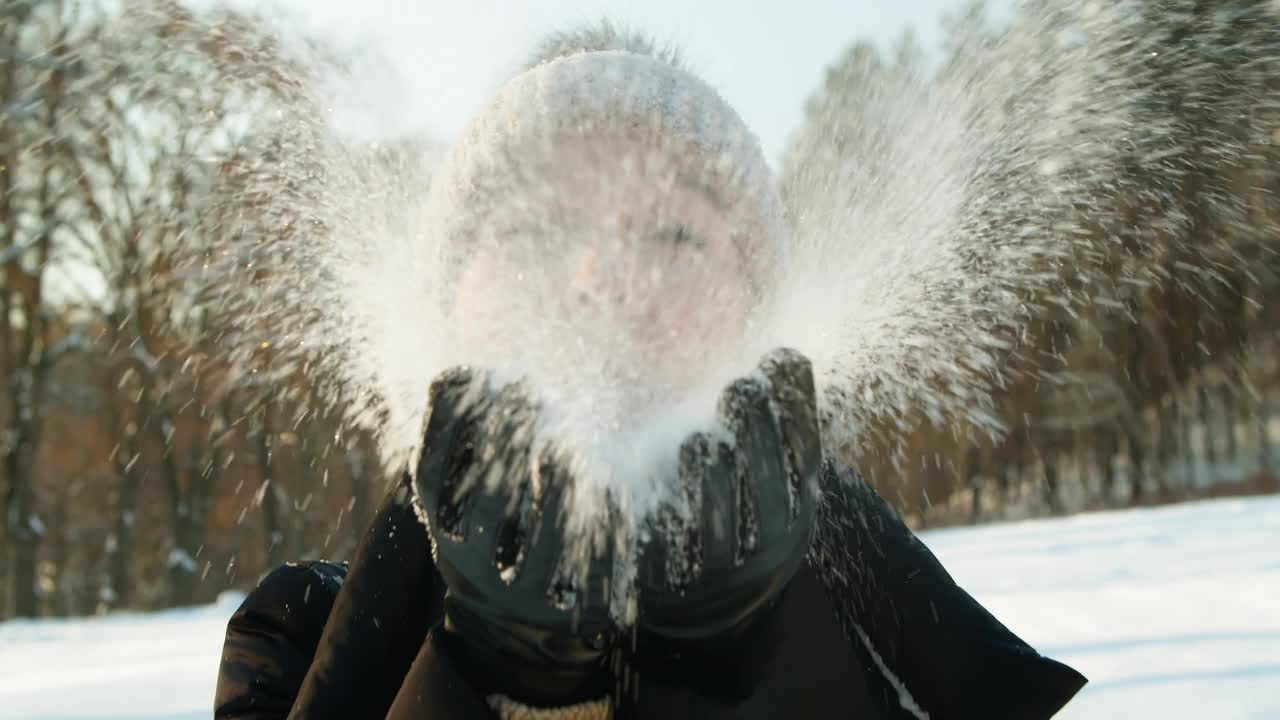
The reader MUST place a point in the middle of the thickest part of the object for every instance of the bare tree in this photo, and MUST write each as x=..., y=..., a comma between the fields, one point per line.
x=38, y=71
x=174, y=95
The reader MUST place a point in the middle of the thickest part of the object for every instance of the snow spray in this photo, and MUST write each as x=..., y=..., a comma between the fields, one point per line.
x=609, y=234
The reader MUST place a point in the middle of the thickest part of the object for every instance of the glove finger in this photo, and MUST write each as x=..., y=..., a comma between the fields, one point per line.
x=448, y=451
x=599, y=589
x=652, y=562
x=502, y=469
x=790, y=376
x=721, y=484
x=583, y=580
x=514, y=416
x=747, y=518
x=682, y=538
x=513, y=535
x=508, y=430
x=486, y=515
x=745, y=412
x=545, y=540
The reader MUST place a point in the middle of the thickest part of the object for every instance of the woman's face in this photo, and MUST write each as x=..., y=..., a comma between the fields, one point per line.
x=611, y=248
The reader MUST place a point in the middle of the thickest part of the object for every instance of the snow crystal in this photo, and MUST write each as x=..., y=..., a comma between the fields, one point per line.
x=179, y=557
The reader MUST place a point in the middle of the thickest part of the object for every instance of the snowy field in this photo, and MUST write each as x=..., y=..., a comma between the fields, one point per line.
x=1171, y=613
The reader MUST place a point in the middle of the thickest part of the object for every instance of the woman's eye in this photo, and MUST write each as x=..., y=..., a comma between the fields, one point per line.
x=682, y=236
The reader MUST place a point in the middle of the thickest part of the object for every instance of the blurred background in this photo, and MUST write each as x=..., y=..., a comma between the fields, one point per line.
x=142, y=466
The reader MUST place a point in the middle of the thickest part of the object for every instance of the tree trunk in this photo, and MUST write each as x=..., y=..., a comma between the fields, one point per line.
x=61, y=601
x=972, y=471
x=190, y=500
x=1230, y=413
x=34, y=363
x=1167, y=428
x=1209, y=427
x=1135, y=444
x=1107, y=449
x=1264, y=433
x=1191, y=479
x=1051, y=495
x=1107, y=465
x=128, y=472
x=1082, y=457
x=24, y=528
x=181, y=560
x=1005, y=479
x=267, y=494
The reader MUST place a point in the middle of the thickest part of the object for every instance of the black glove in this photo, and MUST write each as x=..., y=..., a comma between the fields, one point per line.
x=714, y=570
x=515, y=620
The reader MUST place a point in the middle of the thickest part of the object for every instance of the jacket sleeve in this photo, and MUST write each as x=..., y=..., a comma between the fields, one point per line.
x=435, y=687
x=938, y=651
x=319, y=640
x=271, y=639
x=390, y=599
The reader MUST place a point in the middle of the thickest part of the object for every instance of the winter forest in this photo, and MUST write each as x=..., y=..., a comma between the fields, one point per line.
x=156, y=449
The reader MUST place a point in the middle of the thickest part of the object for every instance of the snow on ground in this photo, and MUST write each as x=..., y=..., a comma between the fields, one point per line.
x=125, y=666
x=1171, y=613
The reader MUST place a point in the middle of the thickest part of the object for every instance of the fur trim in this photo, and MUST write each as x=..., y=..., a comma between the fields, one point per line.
x=508, y=709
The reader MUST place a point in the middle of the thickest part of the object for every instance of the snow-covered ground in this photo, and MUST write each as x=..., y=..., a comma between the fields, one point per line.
x=1171, y=613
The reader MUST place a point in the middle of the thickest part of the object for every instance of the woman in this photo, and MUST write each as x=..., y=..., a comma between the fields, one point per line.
x=792, y=589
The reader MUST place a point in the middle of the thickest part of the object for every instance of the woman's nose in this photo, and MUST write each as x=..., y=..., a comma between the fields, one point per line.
x=602, y=279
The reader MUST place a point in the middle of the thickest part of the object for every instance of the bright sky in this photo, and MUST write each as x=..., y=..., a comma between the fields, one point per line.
x=764, y=56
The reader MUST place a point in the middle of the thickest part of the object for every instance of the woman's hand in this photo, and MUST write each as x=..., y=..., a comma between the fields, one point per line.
x=746, y=501
x=722, y=554
x=716, y=560
x=493, y=503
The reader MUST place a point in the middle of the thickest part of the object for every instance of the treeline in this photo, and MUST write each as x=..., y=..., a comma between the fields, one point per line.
x=155, y=449
x=1155, y=376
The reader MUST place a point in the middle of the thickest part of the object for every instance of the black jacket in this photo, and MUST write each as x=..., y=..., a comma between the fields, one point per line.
x=872, y=628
